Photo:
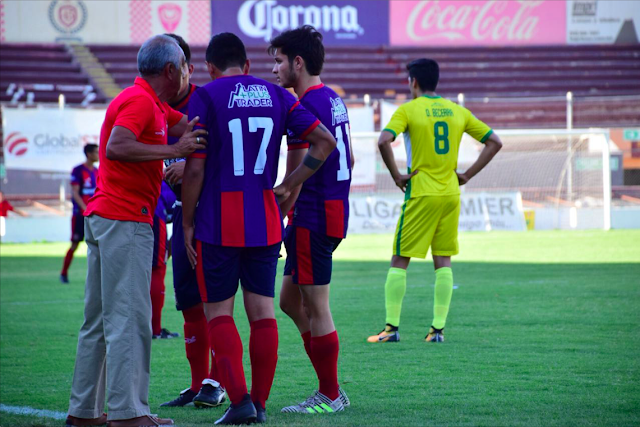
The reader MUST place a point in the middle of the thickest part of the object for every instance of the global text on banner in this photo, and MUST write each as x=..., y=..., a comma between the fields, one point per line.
x=342, y=22
x=55, y=145
x=481, y=22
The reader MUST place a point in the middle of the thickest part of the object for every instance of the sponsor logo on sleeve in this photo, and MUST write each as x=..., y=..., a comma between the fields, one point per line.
x=338, y=112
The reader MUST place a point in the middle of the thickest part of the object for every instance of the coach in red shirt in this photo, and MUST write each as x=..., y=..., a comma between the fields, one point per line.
x=114, y=344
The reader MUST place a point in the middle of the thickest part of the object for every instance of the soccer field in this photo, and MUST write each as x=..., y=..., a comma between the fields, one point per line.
x=543, y=330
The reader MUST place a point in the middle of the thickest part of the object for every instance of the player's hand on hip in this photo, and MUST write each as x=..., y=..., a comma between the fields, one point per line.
x=174, y=173
x=188, y=244
x=462, y=178
x=282, y=193
x=403, y=180
x=191, y=140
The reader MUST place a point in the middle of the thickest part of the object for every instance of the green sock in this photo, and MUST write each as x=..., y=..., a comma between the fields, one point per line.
x=394, y=290
x=442, y=296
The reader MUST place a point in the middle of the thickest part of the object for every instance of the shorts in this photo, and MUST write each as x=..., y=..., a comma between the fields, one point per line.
x=220, y=268
x=309, y=256
x=159, y=242
x=428, y=221
x=185, y=283
x=77, y=228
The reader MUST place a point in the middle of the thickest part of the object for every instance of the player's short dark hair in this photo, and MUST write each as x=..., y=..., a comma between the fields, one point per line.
x=426, y=72
x=305, y=42
x=226, y=50
x=183, y=45
x=89, y=148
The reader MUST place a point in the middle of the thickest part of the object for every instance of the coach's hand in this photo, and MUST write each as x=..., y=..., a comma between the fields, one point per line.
x=402, y=180
x=188, y=244
x=191, y=140
x=174, y=173
x=462, y=178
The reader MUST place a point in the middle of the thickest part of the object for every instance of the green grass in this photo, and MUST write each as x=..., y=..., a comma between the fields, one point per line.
x=543, y=330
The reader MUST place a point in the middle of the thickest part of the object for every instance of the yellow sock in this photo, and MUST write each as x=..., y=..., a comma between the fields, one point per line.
x=442, y=296
x=394, y=290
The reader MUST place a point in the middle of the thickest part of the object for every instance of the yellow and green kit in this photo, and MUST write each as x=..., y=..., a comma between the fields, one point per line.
x=433, y=128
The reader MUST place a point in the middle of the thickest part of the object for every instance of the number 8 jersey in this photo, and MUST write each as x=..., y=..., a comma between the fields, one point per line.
x=323, y=203
x=246, y=118
x=433, y=128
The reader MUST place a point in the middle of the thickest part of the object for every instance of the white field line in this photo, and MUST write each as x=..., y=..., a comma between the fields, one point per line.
x=25, y=410
x=65, y=301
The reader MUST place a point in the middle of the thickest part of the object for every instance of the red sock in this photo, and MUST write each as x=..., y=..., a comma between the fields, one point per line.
x=67, y=262
x=157, y=297
x=306, y=339
x=325, y=351
x=196, y=344
x=227, y=345
x=263, y=348
x=213, y=372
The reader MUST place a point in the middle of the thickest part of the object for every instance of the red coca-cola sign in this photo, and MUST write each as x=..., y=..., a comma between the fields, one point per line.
x=481, y=22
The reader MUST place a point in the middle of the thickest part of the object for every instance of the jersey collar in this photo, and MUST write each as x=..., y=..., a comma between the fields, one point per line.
x=184, y=100
x=321, y=85
x=139, y=81
x=432, y=97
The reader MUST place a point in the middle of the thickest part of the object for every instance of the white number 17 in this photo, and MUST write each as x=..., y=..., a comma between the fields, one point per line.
x=255, y=123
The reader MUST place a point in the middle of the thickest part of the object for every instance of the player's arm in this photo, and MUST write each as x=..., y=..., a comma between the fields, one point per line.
x=180, y=127
x=492, y=145
x=321, y=144
x=17, y=211
x=191, y=188
x=353, y=157
x=75, y=193
x=384, y=145
x=294, y=159
x=124, y=146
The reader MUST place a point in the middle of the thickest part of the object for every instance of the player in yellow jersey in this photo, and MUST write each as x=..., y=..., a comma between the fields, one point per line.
x=433, y=128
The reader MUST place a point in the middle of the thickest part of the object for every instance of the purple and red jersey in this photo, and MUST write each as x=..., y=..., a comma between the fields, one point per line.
x=164, y=210
x=246, y=118
x=323, y=203
x=183, y=107
x=86, y=179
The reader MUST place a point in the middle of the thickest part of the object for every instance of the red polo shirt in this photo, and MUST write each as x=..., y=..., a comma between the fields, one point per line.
x=5, y=207
x=128, y=191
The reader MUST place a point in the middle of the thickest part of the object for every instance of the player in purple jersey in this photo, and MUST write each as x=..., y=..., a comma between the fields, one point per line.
x=161, y=217
x=238, y=222
x=320, y=218
x=205, y=390
x=83, y=185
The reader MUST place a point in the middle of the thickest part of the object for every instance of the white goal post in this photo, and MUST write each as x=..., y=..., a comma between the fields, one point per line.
x=549, y=179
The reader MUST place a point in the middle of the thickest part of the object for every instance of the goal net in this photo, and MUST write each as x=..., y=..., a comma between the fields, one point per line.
x=541, y=179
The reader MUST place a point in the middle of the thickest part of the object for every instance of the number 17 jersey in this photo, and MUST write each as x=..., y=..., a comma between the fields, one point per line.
x=246, y=118
x=323, y=203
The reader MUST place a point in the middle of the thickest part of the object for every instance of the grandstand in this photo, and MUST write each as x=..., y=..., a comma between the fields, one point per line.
x=510, y=87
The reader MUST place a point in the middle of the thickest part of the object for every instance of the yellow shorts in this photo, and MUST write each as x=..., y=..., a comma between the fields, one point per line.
x=428, y=221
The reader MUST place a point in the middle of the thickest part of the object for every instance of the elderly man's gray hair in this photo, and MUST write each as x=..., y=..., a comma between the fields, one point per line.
x=157, y=52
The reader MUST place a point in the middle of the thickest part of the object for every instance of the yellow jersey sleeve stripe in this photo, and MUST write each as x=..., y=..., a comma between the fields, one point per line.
x=484, y=138
x=395, y=135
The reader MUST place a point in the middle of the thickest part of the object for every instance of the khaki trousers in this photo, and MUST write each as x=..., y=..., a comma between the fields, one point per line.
x=114, y=343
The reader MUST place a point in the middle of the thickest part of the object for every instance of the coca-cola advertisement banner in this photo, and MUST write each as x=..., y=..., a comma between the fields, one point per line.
x=342, y=22
x=468, y=23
